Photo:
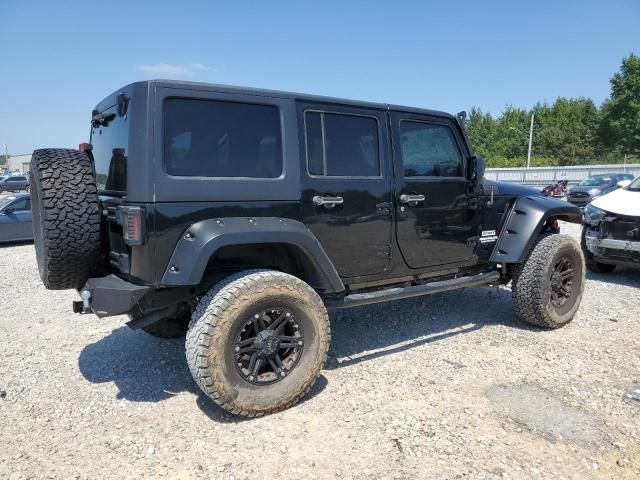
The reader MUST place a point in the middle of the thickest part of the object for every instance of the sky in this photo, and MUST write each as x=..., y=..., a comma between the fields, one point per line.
x=59, y=59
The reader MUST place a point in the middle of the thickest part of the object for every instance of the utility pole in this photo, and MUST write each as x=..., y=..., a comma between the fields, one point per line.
x=530, y=141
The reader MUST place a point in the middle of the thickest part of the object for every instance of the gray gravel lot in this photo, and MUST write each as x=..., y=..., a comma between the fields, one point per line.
x=447, y=386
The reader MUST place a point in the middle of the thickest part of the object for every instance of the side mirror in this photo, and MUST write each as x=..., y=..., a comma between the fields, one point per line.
x=476, y=169
x=623, y=183
x=8, y=211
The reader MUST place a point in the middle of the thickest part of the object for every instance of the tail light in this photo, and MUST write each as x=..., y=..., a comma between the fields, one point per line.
x=132, y=221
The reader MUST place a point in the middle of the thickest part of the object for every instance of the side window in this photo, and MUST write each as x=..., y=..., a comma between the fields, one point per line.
x=206, y=138
x=429, y=150
x=21, y=204
x=342, y=145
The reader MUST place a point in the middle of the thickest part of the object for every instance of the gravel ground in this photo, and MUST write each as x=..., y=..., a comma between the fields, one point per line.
x=447, y=386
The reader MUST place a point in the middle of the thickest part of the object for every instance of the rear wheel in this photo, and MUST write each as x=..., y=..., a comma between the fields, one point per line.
x=549, y=284
x=66, y=217
x=257, y=342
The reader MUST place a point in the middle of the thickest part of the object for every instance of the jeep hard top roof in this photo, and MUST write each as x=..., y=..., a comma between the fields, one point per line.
x=150, y=84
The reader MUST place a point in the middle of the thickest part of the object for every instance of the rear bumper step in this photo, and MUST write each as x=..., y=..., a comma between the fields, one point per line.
x=397, y=293
x=110, y=295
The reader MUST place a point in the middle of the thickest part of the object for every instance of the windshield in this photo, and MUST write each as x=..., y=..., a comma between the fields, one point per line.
x=595, y=181
x=4, y=201
x=635, y=185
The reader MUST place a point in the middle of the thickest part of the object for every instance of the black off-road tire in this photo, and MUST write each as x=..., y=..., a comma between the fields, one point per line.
x=592, y=265
x=225, y=308
x=173, y=327
x=66, y=217
x=531, y=290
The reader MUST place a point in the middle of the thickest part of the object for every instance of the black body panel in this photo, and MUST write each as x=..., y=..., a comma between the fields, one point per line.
x=201, y=241
x=526, y=219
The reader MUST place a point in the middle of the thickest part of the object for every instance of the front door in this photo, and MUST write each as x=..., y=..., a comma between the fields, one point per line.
x=435, y=225
x=16, y=225
x=346, y=185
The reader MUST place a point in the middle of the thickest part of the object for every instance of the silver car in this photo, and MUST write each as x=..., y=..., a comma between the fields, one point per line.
x=14, y=183
x=15, y=218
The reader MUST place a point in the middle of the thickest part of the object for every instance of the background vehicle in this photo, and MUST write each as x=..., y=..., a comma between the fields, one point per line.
x=14, y=183
x=558, y=189
x=15, y=218
x=611, y=231
x=594, y=186
x=250, y=212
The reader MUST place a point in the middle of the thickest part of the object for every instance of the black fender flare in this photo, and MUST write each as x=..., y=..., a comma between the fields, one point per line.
x=201, y=240
x=523, y=223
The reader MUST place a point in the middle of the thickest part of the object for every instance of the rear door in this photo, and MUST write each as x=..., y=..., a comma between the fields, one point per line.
x=346, y=185
x=435, y=225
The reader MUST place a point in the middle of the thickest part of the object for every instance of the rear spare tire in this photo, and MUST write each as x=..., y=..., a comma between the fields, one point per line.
x=66, y=217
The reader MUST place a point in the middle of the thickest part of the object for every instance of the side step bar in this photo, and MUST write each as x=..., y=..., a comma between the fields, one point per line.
x=397, y=293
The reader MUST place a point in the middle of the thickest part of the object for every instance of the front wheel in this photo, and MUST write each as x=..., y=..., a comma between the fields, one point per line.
x=550, y=282
x=257, y=342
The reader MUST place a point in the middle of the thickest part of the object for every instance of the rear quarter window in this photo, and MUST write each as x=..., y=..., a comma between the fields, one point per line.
x=211, y=138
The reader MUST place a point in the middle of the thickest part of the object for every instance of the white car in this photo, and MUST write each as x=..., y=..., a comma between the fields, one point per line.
x=611, y=231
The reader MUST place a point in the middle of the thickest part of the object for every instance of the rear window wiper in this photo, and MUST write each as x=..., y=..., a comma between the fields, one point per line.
x=103, y=119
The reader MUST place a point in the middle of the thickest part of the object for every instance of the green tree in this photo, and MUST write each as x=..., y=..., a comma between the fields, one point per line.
x=566, y=131
x=620, y=116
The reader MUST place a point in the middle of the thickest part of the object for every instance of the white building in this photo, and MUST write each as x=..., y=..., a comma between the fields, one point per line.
x=19, y=163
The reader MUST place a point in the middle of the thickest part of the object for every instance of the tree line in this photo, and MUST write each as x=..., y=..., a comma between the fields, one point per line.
x=570, y=131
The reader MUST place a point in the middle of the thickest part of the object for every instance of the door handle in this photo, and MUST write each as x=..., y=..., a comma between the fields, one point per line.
x=327, y=201
x=405, y=198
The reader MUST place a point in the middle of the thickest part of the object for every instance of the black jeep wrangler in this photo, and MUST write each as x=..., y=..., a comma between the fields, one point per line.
x=239, y=216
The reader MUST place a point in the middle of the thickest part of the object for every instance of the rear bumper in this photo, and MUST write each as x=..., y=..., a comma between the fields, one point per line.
x=111, y=295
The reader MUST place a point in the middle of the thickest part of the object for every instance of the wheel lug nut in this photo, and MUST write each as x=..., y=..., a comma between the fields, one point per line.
x=300, y=342
x=237, y=349
x=256, y=316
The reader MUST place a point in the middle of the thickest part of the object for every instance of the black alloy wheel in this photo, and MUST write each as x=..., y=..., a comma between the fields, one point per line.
x=268, y=346
x=561, y=281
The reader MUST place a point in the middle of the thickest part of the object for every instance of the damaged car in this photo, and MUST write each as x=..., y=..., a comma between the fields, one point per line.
x=611, y=229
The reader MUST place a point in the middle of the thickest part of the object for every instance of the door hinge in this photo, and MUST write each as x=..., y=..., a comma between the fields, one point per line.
x=384, y=209
x=473, y=203
x=383, y=251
